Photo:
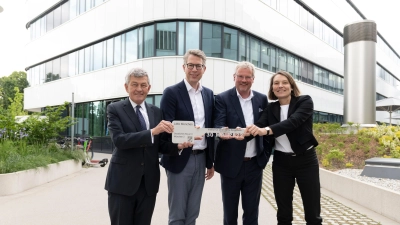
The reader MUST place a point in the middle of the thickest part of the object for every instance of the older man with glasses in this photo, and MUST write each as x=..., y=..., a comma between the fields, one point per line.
x=189, y=101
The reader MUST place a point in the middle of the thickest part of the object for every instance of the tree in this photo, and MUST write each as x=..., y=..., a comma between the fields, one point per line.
x=7, y=84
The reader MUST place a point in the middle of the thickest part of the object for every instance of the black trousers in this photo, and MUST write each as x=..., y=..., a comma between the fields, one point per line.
x=304, y=170
x=248, y=184
x=131, y=210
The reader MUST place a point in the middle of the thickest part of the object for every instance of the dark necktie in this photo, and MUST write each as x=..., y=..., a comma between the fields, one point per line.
x=141, y=118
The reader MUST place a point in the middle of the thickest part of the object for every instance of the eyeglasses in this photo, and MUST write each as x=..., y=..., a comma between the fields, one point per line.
x=241, y=77
x=191, y=66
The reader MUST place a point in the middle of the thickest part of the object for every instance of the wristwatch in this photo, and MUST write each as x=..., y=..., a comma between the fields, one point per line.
x=267, y=129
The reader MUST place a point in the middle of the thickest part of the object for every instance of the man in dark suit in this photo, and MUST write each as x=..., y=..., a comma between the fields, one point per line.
x=133, y=177
x=189, y=101
x=240, y=161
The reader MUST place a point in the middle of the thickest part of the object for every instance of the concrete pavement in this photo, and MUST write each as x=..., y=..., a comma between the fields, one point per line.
x=80, y=198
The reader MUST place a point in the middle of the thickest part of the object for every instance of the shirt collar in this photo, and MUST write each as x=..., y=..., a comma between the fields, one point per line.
x=248, y=98
x=189, y=87
x=143, y=104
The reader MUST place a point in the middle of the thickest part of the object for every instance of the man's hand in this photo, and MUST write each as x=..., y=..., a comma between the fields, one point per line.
x=239, y=137
x=185, y=145
x=210, y=173
x=163, y=126
x=225, y=135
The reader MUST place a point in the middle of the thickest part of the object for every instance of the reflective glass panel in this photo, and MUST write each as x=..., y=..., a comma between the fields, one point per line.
x=49, y=21
x=230, y=43
x=88, y=59
x=98, y=56
x=192, y=35
x=48, y=71
x=255, y=50
x=65, y=12
x=57, y=16
x=110, y=52
x=131, y=45
x=148, y=41
x=64, y=66
x=211, y=40
x=72, y=8
x=72, y=64
x=117, y=49
x=166, y=39
x=181, y=39
x=56, y=69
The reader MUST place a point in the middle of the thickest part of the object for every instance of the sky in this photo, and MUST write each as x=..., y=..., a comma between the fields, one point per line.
x=14, y=36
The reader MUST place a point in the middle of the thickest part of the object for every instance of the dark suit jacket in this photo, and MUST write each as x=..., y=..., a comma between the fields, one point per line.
x=229, y=113
x=297, y=127
x=134, y=155
x=176, y=105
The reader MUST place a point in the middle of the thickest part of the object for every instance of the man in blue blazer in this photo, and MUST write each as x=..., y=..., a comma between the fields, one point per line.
x=240, y=161
x=133, y=176
x=189, y=101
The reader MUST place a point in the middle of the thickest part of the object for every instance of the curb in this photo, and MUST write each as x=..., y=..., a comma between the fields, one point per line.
x=13, y=183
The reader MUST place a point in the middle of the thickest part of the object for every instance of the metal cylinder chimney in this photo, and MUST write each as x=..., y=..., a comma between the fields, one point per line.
x=360, y=73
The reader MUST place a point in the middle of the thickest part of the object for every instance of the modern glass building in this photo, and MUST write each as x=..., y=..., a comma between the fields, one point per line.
x=86, y=47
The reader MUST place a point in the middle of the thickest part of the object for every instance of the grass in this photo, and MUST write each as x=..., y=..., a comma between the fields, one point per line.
x=17, y=156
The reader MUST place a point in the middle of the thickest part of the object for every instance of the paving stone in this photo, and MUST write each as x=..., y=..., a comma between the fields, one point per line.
x=333, y=212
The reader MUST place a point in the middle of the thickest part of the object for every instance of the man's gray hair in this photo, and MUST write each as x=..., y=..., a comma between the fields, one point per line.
x=245, y=65
x=195, y=52
x=136, y=72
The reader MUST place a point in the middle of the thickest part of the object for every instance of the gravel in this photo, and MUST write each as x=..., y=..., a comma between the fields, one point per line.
x=391, y=184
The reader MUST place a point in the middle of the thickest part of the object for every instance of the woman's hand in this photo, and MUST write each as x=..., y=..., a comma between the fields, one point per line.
x=254, y=130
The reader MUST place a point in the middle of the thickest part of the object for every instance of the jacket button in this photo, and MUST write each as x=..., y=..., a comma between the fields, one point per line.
x=142, y=164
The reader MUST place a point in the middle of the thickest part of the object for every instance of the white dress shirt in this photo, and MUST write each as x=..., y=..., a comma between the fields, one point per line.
x=247, y=108
x=282, y=142
x=196, y=99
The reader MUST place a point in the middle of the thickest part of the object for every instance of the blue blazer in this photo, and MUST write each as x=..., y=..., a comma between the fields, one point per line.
x=176, y=105
x=229, y=113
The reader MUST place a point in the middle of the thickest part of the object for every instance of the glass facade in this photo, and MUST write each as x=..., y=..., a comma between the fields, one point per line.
x=301, y=16
x=324, y=117
x=161, y=39
x=60, y=15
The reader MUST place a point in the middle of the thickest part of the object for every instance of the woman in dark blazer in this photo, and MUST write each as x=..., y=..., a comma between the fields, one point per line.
x=288, y=126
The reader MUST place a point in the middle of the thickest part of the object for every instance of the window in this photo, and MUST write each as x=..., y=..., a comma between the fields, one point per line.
x=211, y=41
x=166, y=39
x=131, y=45
x=192, y=35
x=98, y=56
x=65, y=12
x=230, y=43
x=48, y=71
x=243, y=47
x=117, y=49
x=88, y=59
x=110, y=52
x=181, y=40
x=81, y=61
x=57, y=16
x=64, y=66
x=255, y=52
x=148, y=41
x=49, y=21
x=282, y=59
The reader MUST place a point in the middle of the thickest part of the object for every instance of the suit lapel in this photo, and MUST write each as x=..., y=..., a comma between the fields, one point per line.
x=131, y=113
x=276, y=109
x=186, y=99
x=293, y=101
x=256, y=106
x=150, y=114
x=236, y=105
x=206, y=104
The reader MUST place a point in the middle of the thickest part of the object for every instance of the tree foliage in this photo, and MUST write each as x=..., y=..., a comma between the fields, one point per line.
x=7, y=85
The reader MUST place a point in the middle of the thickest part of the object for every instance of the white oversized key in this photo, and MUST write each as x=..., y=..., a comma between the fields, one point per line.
x=185, y=131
